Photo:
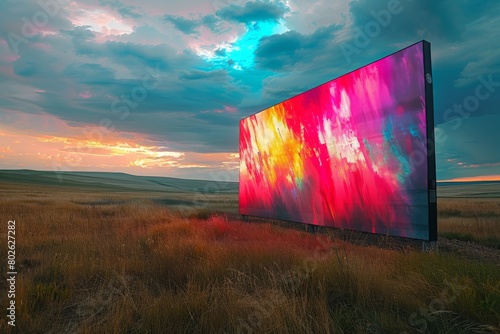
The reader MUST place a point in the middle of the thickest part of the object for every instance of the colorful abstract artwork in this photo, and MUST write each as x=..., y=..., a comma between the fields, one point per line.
x=350, y=153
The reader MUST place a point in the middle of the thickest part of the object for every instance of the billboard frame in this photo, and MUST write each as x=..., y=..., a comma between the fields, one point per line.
x=429, y=146
x=431, y=142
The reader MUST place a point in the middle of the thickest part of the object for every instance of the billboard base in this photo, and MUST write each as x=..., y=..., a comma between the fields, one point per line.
x=311, y=228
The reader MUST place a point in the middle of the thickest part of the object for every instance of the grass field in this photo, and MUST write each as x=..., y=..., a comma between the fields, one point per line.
x=100, y=257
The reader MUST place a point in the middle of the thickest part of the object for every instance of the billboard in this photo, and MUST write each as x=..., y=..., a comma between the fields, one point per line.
x=356, y=152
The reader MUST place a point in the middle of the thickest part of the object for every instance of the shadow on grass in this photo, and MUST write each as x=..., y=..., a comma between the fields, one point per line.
x=172, y=201
x=490, y=242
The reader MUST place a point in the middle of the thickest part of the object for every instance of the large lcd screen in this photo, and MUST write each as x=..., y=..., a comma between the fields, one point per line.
x=356, y=152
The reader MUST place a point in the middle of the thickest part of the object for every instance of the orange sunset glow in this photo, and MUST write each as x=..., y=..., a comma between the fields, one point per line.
x=485, y=178
x=97, y=149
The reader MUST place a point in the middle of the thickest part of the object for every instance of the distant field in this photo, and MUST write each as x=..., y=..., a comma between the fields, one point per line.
x=115, y=253
x=469, y=189
x=179, y=194
x=118, y=182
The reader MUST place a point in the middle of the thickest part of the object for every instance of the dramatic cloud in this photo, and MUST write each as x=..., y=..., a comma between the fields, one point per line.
x=183, y=24
x=254, y=11
x=287, y=50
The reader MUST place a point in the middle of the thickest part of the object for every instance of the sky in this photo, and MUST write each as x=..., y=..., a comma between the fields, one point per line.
x=159, y=87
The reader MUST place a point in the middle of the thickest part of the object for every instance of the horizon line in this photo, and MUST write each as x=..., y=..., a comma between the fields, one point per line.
x=479, y=178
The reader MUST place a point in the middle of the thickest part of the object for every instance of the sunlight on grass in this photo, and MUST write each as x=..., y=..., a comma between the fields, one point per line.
x=470, y=220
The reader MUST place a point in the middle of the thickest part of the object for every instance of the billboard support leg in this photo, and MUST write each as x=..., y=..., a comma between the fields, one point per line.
x=311, y=228
x=429, y=246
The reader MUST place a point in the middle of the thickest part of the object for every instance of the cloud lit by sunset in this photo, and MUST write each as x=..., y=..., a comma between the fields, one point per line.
x=95, y=149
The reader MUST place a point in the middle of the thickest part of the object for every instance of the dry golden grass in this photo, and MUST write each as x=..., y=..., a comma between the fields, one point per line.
x=129, y=263
x=470, y=220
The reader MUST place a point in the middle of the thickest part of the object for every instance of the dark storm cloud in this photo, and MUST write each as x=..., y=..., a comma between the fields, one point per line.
x=281, y=52
x=38, y=60
x=278, y=51
x=468, y=147
x=129, y=12
x=253, y=11
x=22, y=22
x=455, y=105
x=422, y=19
x=89, y=74
x=197, y=75
x=123, y=10
x=210, y=21
x=187, y=26
x=82, y=39
x=130, y=53
x=80, y=33
x=15, y=14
